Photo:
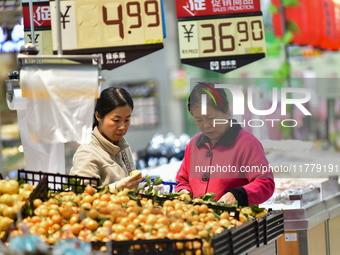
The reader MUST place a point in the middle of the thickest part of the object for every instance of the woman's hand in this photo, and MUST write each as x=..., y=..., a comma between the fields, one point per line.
x=228, y=198
x=130, y=182
x=184, y=191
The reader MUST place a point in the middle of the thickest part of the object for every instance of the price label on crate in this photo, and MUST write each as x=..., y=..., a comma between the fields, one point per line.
x=120, y=30
x=220, y=35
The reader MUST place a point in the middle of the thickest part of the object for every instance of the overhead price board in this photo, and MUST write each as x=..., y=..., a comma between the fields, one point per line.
x=220, y=35
x=119, y=30
x=42, y=25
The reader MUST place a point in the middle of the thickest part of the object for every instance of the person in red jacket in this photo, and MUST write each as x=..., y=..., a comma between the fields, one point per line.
x=224, y=158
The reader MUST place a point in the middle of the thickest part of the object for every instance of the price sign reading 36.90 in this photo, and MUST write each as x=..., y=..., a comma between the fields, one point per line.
x=221, y=37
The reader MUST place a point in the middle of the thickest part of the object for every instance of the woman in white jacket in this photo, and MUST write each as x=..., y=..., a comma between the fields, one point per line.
x=108, y=156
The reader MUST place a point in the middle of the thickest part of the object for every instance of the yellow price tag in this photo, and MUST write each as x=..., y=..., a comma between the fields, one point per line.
x=108, y=23
x=221, y=37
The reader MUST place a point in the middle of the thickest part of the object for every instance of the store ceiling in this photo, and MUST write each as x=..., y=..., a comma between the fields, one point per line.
x=9, y=3
x=10, y=12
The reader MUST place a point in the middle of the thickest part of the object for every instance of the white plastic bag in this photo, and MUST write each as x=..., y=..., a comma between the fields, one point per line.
x=60, y=101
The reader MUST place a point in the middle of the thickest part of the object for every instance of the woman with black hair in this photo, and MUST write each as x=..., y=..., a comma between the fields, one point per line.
x=224, y=158
x=108, y=156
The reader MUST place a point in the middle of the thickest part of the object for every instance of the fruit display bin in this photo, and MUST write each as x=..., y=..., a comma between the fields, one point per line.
x=46, y=182
x=270, y=227
x=249, y=235
x=57, y=182
x=154, y=246
x=237, y=240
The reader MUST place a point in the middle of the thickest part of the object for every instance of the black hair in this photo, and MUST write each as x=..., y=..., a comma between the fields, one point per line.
x=110, y=99
x=222, y=103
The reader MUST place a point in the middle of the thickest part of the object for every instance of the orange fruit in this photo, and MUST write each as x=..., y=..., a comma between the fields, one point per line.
x=86, y=205
x=77, y=227
x=118, y=228
x=105, y=197
x=37, y=202
x=10, y=187
x=224, y=215
x=75, y=218
x=35, y=219
x=93, y=213
x=66, y=212
x=56, y=218
x=91, y=224
x=89, y=189
x=87, y=199
x=107, y=224
x=43, y=211
x=52, y=212
x=96, y=203
x=176, y=227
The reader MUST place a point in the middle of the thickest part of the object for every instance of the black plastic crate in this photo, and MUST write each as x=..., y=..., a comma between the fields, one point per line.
x=222, y=243
x=236, y=240
x=153, y=246
x=58, y=182
x=249, y=235
x=270, y=226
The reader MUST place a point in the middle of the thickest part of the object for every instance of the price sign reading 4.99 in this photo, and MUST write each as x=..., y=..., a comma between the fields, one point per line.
x=221, y=42
x=109, y=26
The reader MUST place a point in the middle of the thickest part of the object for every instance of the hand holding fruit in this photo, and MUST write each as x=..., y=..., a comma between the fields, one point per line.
x=130, y=182
x=184, y=191
x=228, y=198
x=135, y=172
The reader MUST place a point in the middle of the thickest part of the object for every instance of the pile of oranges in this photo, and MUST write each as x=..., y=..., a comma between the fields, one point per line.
x=103, y=216
x=12, y=198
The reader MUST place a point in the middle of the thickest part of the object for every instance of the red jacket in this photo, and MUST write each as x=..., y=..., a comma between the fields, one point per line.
x=236, y=163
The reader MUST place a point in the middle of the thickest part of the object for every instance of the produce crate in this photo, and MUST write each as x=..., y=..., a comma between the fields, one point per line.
x=58, y=182
x=53, y=182
x=249, y=235
x=270, y=227
x=154, y=246
x=236, y=240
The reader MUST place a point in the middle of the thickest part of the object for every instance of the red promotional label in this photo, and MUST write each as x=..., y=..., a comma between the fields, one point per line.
x=41, y=15
x=195, y=8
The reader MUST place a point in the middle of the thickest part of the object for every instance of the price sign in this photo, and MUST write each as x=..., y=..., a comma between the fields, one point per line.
x=221, y=37
x=114, y=28
x=42, y=25
x=221, y=42
x=41, y=15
